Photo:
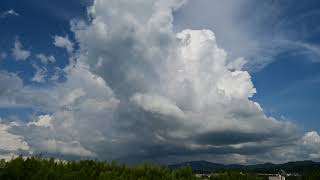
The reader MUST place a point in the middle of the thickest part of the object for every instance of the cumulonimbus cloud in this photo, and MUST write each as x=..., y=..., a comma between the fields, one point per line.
x=140, y=91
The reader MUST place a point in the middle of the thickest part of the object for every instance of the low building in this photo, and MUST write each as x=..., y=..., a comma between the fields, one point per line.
x=277, y=177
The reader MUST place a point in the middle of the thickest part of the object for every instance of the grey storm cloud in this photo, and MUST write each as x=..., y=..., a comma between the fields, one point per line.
x=138, y=91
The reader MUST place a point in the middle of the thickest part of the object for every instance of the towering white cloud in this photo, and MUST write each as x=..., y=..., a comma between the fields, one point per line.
x=139, y=91
x=178, y=86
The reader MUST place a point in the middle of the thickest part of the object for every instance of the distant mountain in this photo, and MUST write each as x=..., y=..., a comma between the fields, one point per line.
x=298, y=166
x=207, y=167
x=200, y=166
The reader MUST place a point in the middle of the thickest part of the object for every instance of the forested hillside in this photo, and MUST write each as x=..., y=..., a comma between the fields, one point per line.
x=48, y=169
x=36, y=168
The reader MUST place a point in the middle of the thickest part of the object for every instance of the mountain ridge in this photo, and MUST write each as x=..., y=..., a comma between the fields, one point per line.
x=208, y=167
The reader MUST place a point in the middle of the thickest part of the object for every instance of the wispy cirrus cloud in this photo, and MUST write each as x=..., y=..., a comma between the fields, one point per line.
x=8, y=13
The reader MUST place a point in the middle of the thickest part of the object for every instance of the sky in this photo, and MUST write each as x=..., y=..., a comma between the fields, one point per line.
x=160, y=81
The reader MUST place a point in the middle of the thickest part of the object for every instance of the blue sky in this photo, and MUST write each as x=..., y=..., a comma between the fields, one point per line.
x=280, y=42
x=35, y=27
